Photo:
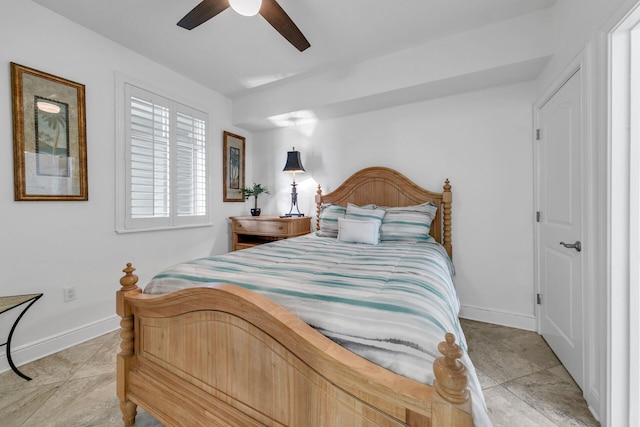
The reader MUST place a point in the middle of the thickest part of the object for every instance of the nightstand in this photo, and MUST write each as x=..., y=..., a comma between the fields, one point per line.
x=249, y=231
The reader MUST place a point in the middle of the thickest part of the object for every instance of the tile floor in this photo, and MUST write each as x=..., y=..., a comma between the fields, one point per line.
x=523, y=381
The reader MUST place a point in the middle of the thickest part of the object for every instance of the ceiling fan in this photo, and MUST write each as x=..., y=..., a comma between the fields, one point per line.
x=269, y=9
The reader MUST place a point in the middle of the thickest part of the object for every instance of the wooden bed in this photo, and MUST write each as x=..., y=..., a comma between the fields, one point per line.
x=224, y=355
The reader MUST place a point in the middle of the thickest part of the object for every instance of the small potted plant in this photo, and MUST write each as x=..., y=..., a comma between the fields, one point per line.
x=254, y=191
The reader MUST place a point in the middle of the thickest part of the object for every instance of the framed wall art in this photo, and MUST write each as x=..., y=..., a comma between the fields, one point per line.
x=49, y=136
x=233, y=167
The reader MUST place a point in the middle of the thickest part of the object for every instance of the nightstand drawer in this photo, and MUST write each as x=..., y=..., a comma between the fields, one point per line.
x=271, y=228
x=249, y=231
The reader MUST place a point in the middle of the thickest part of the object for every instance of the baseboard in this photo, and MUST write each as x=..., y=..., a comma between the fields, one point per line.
x=503, y=318
x=53, y=344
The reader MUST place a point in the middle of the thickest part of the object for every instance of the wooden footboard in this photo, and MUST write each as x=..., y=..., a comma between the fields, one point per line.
x=223, y=355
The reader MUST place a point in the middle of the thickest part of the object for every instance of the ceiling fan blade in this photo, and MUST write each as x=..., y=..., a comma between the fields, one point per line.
x=204, y=11
x=278, y=18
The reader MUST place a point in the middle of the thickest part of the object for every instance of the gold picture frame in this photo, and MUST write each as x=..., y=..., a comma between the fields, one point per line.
x=233, y=167
x=49, y=136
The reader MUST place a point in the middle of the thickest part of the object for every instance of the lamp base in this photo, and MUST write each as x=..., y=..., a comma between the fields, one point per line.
x=289, y=215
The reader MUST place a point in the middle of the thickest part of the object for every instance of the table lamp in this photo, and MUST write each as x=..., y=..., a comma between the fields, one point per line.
x=294, y=164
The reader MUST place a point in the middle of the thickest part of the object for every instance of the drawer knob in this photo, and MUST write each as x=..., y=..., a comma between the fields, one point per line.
x=280, y=228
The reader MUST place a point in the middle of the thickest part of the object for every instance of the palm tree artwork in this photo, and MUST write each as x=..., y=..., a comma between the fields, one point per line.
x=52, y=141
x=234, y=168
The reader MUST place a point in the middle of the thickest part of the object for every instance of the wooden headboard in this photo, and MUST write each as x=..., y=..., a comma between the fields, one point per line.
x=386, y=187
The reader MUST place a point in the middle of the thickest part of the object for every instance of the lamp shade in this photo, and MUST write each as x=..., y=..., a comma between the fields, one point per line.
x=294, y=163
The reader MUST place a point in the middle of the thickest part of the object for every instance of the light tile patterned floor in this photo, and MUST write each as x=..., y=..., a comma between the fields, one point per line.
x=524, y=384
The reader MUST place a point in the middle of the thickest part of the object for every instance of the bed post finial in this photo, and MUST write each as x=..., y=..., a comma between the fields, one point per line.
x=451, y=375
x=446, y=217
x=124, y=358
x=129, y=280
x=318, y=206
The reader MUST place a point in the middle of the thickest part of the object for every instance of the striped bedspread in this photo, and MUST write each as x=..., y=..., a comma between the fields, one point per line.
x=390, y=303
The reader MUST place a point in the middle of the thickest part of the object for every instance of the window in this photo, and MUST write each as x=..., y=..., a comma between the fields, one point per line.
x=164, y=163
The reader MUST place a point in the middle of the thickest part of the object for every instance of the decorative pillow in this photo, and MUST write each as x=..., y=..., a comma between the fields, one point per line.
x=359, y=231
x=408, y=224
x=329, y=215
x=364, y=213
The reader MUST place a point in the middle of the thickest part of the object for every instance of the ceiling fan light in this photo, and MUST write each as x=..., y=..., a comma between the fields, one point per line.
x=246, y=7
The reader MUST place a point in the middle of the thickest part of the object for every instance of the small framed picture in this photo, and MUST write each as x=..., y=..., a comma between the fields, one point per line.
x=49, y=136
x=233, y=167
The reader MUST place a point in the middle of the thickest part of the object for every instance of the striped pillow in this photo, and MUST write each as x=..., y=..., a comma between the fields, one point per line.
x=364, y=213
x=329, y=215
x=408, y=224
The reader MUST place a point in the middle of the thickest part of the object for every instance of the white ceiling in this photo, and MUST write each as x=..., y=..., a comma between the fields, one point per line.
x=235, y=55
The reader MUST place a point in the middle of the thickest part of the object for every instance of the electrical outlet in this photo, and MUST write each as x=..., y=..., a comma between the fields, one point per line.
x=69, y=293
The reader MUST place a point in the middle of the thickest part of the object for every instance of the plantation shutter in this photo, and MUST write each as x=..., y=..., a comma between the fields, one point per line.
x=166, y=162
x=150, y=168
x=191, y=165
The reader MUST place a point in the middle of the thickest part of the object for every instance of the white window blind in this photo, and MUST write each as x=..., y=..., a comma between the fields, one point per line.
x=166, y=162
x=150, y=169
x=191, y=165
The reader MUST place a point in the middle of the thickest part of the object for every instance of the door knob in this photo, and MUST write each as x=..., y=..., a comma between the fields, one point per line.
x=577, y=245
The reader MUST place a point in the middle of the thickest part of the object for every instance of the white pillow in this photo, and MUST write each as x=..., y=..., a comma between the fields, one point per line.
x=359, y=231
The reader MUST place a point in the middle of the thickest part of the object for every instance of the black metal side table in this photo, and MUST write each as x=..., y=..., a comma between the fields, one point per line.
x=6, y=304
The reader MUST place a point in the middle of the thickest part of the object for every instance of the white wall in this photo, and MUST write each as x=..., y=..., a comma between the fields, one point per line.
x=46, y=246
x=481, y=141
x=576, y=22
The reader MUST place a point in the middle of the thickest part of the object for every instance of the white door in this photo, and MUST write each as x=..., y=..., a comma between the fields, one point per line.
x=559, y=248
